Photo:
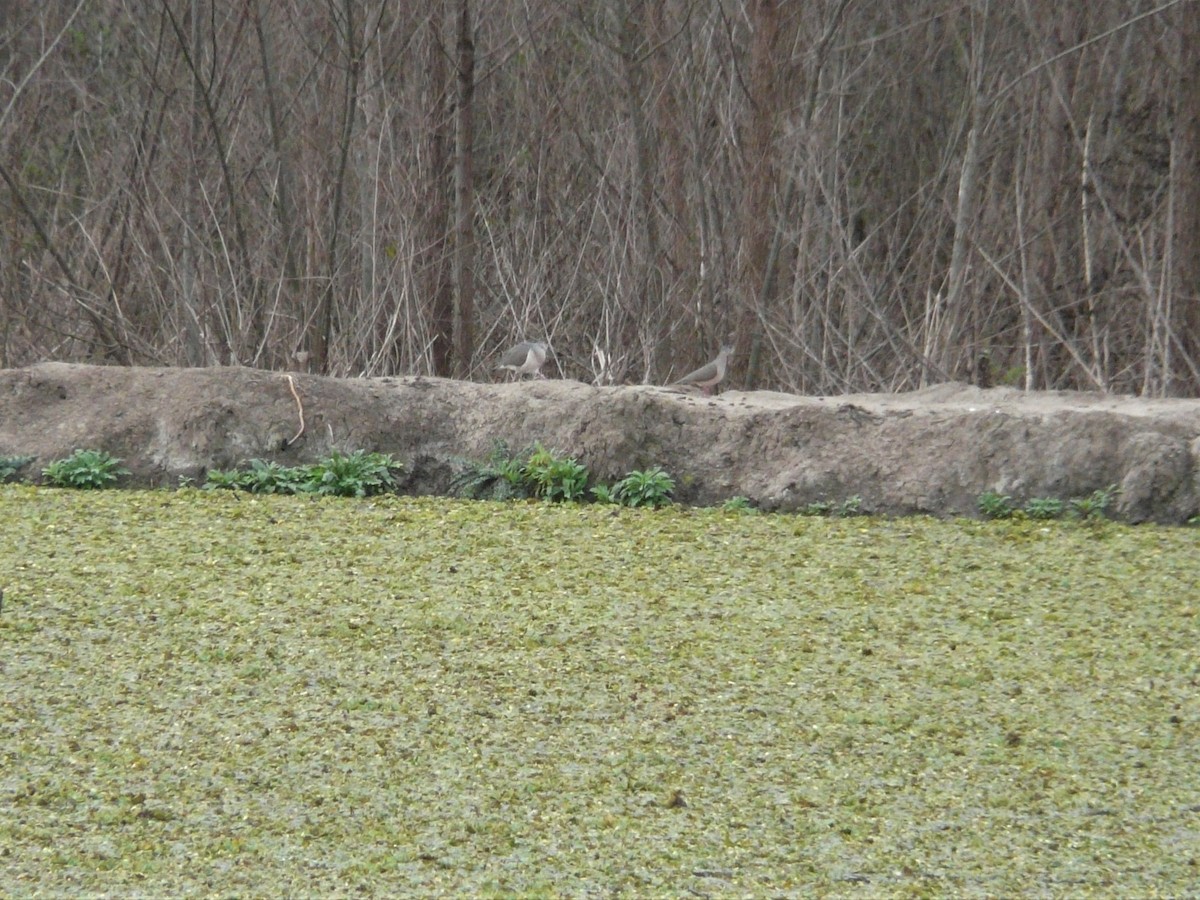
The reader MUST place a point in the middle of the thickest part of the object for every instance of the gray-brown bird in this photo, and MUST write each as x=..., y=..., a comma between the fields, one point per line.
x=525, y=358
x=709, y=375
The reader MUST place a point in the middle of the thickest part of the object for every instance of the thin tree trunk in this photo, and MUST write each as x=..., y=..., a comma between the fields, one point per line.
x=964, y=221
x=647, y=251
x=1185, y=191
x=284, y=206
x=1085, y=245
x=240, y=262
x=194, y=350
x=761, y=175
x=434, y=214
x=322, y=335
x=1022, y=243
x=464, y=199
x=958, y=307
x=678, y=279
x=1054, y=254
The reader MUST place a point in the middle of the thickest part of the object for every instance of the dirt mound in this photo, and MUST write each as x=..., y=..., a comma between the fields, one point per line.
x=932, y=451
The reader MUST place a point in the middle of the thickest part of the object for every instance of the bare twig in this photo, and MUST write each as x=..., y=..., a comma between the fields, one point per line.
x=299, y=409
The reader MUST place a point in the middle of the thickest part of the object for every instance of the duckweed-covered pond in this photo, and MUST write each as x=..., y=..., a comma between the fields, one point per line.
x=210, y=693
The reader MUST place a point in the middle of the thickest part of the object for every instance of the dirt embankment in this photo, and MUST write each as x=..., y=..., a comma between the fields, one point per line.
x=932, y=451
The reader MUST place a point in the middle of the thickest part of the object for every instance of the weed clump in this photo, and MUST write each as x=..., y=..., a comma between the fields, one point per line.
x=358, y=474
x=85, y=469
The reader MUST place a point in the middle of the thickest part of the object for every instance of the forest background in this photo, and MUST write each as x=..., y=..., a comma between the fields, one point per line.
x=863, y=196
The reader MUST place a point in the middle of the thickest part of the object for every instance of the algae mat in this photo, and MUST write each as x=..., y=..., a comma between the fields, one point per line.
x=219, y=694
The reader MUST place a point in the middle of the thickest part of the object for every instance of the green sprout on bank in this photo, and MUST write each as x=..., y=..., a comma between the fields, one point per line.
x=740, y=505
x=651, y=487
x=85, y=469
x=851, y=506
x=11, y=465
x=1045, y=508
x=555, y=478
x=994, y=505
x=358, y=474
x=499, y=477
x=1093, y=507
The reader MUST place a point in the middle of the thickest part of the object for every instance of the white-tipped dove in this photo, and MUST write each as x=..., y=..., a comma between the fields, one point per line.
x=709, y=376
x=526, y=357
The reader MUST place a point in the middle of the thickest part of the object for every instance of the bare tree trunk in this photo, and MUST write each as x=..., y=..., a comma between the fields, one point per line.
x=434, y=214
x=956, y=301
x=677, y=277
x=1092, y=312
x=322, y=332
x=647, y=251
x=239, y=254
x=284, y=205
x=369, y=320
x=766, y=74
x=801, y=149
x=1020, y=169
x=1055, y=190
x=194, y=349
x=1185, y=202
x=959, y=309
x=464, y=199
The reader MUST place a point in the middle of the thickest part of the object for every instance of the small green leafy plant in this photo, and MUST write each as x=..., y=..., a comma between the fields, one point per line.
x=555, y=478
x=651, y=487
x=1094, y=506
x=851, y=506
x=11, y=465
x=994, y=505
x=539, y=472
x=360, y=474
x=532, y=472
x=739, y=505
x=264, y=477
x=603, y=494
x=500, y=477
x=223, y=479
x=1045, y=508
x=87, y=469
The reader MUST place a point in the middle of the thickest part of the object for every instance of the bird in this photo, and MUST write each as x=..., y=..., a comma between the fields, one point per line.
x=526, y=357
x=708, y=376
